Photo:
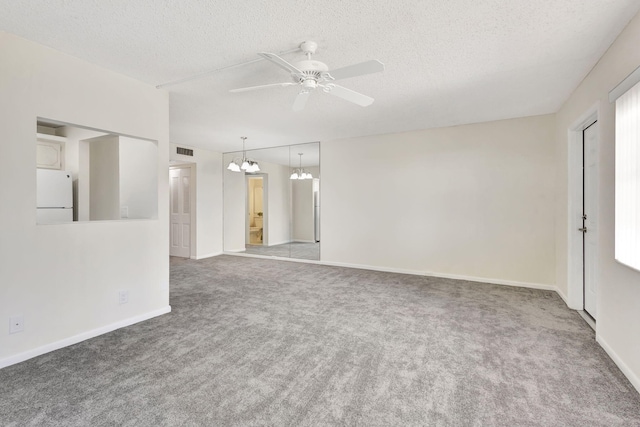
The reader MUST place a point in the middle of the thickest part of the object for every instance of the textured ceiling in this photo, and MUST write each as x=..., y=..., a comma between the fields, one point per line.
x=447, y=62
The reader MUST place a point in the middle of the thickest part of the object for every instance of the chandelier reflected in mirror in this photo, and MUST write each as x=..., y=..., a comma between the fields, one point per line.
x=300, y=173
x=243, y=164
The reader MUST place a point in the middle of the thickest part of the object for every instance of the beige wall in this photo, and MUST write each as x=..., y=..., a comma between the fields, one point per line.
x=471, y=201
x=618, y=299
x=65, y=278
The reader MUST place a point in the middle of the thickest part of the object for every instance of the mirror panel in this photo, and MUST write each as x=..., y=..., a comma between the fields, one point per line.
x=266, y=212
x=305, y=201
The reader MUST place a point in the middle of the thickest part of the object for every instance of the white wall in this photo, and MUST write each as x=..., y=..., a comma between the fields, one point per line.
x=104, y=178
x=208, y=182
x=469, y=201
x=618, y=299
x=235, y=196
x=138, y=178
x=64, y=278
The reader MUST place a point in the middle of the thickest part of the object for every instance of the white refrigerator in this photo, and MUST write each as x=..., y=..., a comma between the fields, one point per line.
x=54, y=196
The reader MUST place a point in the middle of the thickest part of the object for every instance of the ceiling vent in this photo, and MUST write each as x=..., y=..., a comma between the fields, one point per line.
x=185, y=151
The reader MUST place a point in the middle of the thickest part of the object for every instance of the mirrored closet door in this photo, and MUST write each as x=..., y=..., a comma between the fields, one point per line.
x=272, y=201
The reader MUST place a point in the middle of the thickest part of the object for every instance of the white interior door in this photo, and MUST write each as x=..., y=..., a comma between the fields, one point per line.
x=590, y=223
x=180, y=200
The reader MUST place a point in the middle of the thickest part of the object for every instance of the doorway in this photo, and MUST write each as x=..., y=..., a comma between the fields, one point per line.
x=583, y=216
x=182, y=207
x=256, y=207
x=589, y=210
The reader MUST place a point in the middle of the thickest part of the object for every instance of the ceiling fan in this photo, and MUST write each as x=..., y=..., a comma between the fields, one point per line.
x=311, y=75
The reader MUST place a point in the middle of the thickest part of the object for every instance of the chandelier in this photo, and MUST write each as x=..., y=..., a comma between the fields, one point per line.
x=300, y=173
x=243, y=164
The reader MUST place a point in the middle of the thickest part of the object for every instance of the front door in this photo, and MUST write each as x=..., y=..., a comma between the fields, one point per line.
x=589, y=216
x=180, y=201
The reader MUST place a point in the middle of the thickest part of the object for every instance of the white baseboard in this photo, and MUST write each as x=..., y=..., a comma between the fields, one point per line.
x=272, y=257
x=208, y=255
x=633, y=378
x=247, y=255
x=447, y=276
x=21, y=357
x=494, y=281
x=417, y=273
x=283, y=242
x=374, y=268
x=564, y=297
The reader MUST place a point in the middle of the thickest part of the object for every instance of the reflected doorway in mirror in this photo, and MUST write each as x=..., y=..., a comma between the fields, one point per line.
x=255, y=210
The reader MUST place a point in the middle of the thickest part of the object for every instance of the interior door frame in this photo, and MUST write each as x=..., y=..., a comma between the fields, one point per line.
x=575, y=239
x=192, y=208
x=265, y=207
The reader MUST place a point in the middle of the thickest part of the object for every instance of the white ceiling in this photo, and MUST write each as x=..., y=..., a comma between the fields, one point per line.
x=448, y=62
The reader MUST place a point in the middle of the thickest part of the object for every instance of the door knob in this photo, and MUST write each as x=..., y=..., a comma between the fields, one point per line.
x=583, y=229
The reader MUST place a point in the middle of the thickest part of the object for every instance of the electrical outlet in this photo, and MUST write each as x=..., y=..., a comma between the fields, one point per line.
x=16, y=324
x=123, y=297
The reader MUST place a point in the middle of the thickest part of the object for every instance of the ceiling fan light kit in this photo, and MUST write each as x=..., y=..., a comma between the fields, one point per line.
x=243, y=164
x=311, y=75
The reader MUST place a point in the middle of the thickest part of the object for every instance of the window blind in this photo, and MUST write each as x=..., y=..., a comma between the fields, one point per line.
x=627, y=227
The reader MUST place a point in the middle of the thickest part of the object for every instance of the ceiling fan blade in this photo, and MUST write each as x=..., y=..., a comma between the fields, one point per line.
x=301, y=100
x=349, y=95
x=280, y=62
x=367, y=67
x=246, y=89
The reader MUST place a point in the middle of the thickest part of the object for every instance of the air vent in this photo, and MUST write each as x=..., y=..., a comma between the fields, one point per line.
x=185, y=151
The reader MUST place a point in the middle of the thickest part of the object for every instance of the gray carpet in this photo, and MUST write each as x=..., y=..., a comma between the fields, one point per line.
x=263, y=342
x=299, y=250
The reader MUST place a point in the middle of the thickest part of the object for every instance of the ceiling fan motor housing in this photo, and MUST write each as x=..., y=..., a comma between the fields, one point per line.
x=312, y=71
